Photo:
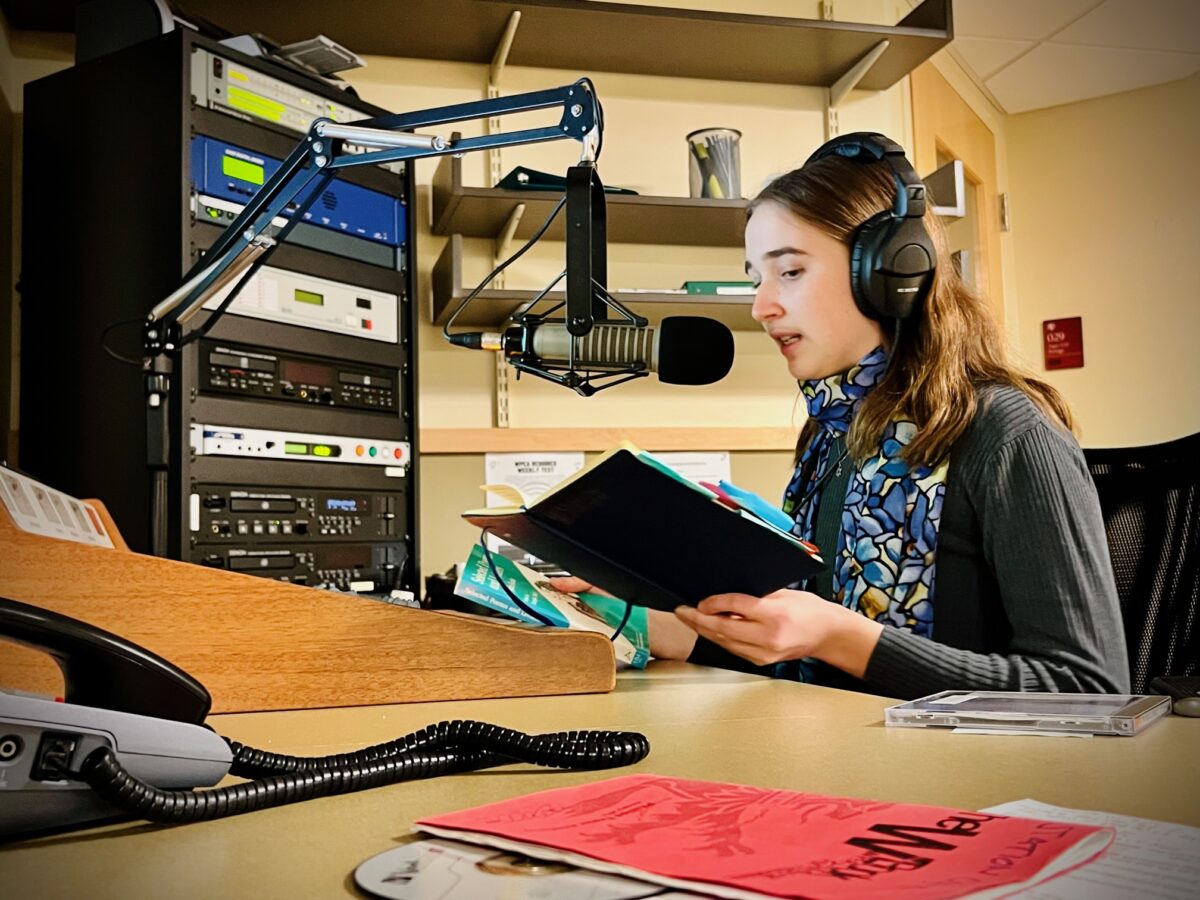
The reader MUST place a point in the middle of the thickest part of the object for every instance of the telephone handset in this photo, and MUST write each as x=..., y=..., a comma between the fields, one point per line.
x=117, y=696
x=103, y=670
x=128, y=741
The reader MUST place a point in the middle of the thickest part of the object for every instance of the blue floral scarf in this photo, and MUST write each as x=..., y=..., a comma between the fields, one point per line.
x=884, y=561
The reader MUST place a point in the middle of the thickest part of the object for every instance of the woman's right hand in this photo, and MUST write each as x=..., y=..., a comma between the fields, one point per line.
x=569, y=584
x=669, y=638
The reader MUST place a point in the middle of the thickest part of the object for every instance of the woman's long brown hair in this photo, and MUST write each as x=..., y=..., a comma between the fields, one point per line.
x=944, y=352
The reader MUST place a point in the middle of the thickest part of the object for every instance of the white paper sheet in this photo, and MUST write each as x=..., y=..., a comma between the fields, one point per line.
x=1149, y=860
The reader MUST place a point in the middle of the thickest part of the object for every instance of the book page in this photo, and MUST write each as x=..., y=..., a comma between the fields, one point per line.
x=518, y=479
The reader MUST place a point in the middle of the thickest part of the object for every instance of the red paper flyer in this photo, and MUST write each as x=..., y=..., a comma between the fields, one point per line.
x=732, y=840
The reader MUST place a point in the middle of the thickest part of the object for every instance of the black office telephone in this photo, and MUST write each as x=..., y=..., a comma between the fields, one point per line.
x=127, y=739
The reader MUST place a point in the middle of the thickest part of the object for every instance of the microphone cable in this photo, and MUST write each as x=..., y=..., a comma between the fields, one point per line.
x=529, y=610
x=277, y=780
x=463, y=339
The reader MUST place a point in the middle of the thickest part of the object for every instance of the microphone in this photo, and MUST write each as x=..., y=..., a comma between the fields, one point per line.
x=681, y=350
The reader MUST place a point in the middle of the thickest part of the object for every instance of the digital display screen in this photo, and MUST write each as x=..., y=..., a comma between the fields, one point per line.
x=305, y=373
x=344, y=558
x=310, y=297
x=324, y=450
x=295, y=449
x=242, y=169
x=335, y=504
x=255, y=104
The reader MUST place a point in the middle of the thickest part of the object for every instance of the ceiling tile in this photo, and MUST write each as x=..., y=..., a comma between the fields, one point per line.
x=1142, y=24
x=1052, y=73
x=986, y=56
x=1030, y=20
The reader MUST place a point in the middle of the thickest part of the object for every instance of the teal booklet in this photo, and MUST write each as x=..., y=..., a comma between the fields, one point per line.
x=587, y=612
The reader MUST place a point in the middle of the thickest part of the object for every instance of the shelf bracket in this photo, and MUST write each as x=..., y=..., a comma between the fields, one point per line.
x=499, y=59
x=841, y=88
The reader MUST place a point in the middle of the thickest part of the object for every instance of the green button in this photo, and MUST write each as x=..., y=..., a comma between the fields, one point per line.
x=373, y=451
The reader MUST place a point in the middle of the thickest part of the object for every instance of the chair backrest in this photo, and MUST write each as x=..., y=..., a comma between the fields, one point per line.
x=1149, y=497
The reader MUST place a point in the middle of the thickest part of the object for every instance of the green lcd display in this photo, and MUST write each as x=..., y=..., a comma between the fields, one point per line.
x=310, y=297
x=297, y=449
x=322, y=450
x=242, y=169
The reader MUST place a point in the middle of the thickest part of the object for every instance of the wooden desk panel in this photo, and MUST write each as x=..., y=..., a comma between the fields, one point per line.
x=259, y=644
x=702, y=723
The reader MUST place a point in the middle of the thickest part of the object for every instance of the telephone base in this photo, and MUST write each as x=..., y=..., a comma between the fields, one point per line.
x=42, y=740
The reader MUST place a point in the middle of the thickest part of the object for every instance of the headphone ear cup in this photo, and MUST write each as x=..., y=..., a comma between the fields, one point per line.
x=869, y=237
x=892, y=264
x=905, y=268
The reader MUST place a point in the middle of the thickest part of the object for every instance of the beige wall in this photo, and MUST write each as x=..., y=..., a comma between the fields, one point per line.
x=1105, y=196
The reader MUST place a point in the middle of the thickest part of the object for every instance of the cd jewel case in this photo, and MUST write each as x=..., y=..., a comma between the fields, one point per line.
x=1123, y=714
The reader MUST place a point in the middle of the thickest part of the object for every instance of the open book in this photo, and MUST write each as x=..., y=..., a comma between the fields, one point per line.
x=732, y=840
x=629, y=524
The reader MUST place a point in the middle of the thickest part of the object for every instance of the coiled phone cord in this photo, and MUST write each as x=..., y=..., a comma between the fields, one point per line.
x=457, y=746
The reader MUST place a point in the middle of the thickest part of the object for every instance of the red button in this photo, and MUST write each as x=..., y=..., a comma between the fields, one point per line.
x=396, y=453
x=367, y=324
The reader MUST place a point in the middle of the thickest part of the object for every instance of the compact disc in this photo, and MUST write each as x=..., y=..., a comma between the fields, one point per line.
x=448, y=870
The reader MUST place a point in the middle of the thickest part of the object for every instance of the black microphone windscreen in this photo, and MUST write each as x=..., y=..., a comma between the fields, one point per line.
x=693, y=350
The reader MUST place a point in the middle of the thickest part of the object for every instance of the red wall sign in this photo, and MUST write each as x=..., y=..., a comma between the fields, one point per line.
x=1062, y=343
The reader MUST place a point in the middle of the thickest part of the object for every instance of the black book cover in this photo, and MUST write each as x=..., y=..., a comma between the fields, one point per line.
x=647, y=537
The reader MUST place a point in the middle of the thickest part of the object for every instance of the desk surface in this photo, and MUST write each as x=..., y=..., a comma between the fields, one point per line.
x=702, y=723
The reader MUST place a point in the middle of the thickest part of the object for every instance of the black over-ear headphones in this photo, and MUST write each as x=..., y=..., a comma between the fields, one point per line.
x=892, y=259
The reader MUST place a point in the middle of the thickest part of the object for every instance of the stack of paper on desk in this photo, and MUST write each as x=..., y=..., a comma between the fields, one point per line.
x=737, y=841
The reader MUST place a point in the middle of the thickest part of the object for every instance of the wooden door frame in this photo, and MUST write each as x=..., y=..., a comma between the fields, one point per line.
x=943, y=121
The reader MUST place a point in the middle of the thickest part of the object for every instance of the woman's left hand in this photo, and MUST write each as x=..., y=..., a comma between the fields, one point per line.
x=785, y=625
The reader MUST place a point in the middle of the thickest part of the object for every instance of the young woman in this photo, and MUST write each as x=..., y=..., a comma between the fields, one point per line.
x=963, y=538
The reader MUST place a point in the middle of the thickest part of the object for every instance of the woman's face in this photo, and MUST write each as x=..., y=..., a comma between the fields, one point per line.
x=803, y=298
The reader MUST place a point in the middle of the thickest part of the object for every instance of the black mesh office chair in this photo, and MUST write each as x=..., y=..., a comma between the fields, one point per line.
x=1149, y=497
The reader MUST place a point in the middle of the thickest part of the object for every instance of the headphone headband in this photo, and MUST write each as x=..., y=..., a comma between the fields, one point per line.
x=892, y=258
x=871, y=146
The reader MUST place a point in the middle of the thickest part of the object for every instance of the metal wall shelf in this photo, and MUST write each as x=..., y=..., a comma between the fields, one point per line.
x=492, y=307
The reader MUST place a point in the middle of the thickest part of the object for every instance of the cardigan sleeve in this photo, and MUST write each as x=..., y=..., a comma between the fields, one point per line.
x=1043, y=535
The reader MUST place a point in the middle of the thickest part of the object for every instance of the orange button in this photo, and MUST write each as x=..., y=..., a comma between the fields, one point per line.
x=359, y=450
x=396, y=453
